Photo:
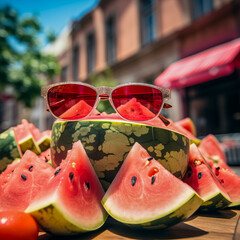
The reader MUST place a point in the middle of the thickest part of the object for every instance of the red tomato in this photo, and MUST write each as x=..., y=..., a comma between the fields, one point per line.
x=16, y=225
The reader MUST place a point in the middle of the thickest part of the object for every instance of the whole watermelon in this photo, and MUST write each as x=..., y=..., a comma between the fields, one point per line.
x=107, y=141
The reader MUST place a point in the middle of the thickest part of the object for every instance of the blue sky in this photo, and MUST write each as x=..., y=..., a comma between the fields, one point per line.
x=53, y=14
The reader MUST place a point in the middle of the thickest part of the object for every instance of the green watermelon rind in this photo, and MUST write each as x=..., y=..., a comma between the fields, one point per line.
x=107, y=143
x=44, y=143
x=57, y=221
x=215, y=202
x=189, y=206
x=29, y=143
x=9, y=149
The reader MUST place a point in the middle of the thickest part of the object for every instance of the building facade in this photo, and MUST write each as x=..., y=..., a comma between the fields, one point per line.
x=139, y=39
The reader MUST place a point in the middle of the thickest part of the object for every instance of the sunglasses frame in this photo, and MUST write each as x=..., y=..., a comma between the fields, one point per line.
x=105, y=92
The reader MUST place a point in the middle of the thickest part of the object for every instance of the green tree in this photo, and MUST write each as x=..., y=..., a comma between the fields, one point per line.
x=23, y=65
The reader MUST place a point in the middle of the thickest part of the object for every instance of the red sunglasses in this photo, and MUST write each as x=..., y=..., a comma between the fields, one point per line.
x=74, y=101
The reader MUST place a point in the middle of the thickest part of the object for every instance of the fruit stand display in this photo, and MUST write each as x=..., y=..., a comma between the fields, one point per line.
x=105, y=178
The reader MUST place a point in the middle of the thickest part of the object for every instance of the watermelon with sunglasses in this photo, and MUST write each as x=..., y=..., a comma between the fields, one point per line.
x=107, y=138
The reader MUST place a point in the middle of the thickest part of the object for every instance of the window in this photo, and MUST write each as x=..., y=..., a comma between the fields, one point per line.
x=214, y=106
x=91, y=52
x=201, y=7
x=111, y=39
x=75, y=63
x=147, y=20
x=64, y=74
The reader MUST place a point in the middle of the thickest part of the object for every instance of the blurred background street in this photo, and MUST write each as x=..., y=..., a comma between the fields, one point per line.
x=190, y=46
x=236, y=170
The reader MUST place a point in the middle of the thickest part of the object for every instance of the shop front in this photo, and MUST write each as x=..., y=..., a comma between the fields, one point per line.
x=209, y=86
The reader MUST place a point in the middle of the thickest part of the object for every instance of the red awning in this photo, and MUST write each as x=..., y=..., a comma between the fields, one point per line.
x=210, y=64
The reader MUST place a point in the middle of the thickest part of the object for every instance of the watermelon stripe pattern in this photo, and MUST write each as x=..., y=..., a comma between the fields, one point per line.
x=9, y=149
x=107, y=143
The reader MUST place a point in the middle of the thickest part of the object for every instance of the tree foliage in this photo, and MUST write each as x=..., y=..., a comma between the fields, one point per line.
x=24, y=68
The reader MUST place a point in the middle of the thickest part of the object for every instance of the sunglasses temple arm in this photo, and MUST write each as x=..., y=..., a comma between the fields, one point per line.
x=165, y=121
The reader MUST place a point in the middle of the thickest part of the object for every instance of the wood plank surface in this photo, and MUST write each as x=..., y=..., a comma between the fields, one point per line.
x=224, y=224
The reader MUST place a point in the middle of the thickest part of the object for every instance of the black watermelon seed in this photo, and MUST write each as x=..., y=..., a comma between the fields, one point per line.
x=189, y=174
x=200, y=175
x=217, y=168
x=13, y=170
x=30, y=168
x=71, y=175
x=151, y=158
x=133, y=180
x=57, y=172
x=23, y=177
x=189, y=168
x=153, y=179
x=87, y=185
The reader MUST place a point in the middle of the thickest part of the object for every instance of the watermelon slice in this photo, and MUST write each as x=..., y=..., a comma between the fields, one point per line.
x=144, y=194
x=231, y=183
x=42, y=139
x=22, y=181
x=140, y=111
x=77, y=110
x=71, y=201
x=201, y=178
x=188, y=124
x=25, y=138
x=211, y=148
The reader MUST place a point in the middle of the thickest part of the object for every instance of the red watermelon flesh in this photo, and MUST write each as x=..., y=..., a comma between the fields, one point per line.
x=21, y=132
x=77, y=110
x=35, y=131
x=47, y=133
x=143, y=191
x=231, y=183
x=46, y=155
x=188, y=124
x=202, y=179
x=75, y=190
x=134, y=109
x=8, y=172
x=24, y=183
x=17, y=193
x=25, y=138
x=210, y=147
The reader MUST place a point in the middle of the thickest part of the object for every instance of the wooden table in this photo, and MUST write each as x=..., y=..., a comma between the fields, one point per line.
x=216, y=226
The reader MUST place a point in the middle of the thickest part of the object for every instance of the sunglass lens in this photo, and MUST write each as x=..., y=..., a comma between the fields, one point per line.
x=137, y=102
x=71, y=101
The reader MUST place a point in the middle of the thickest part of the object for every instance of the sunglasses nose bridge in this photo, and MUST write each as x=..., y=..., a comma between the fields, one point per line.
x=104, y=91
